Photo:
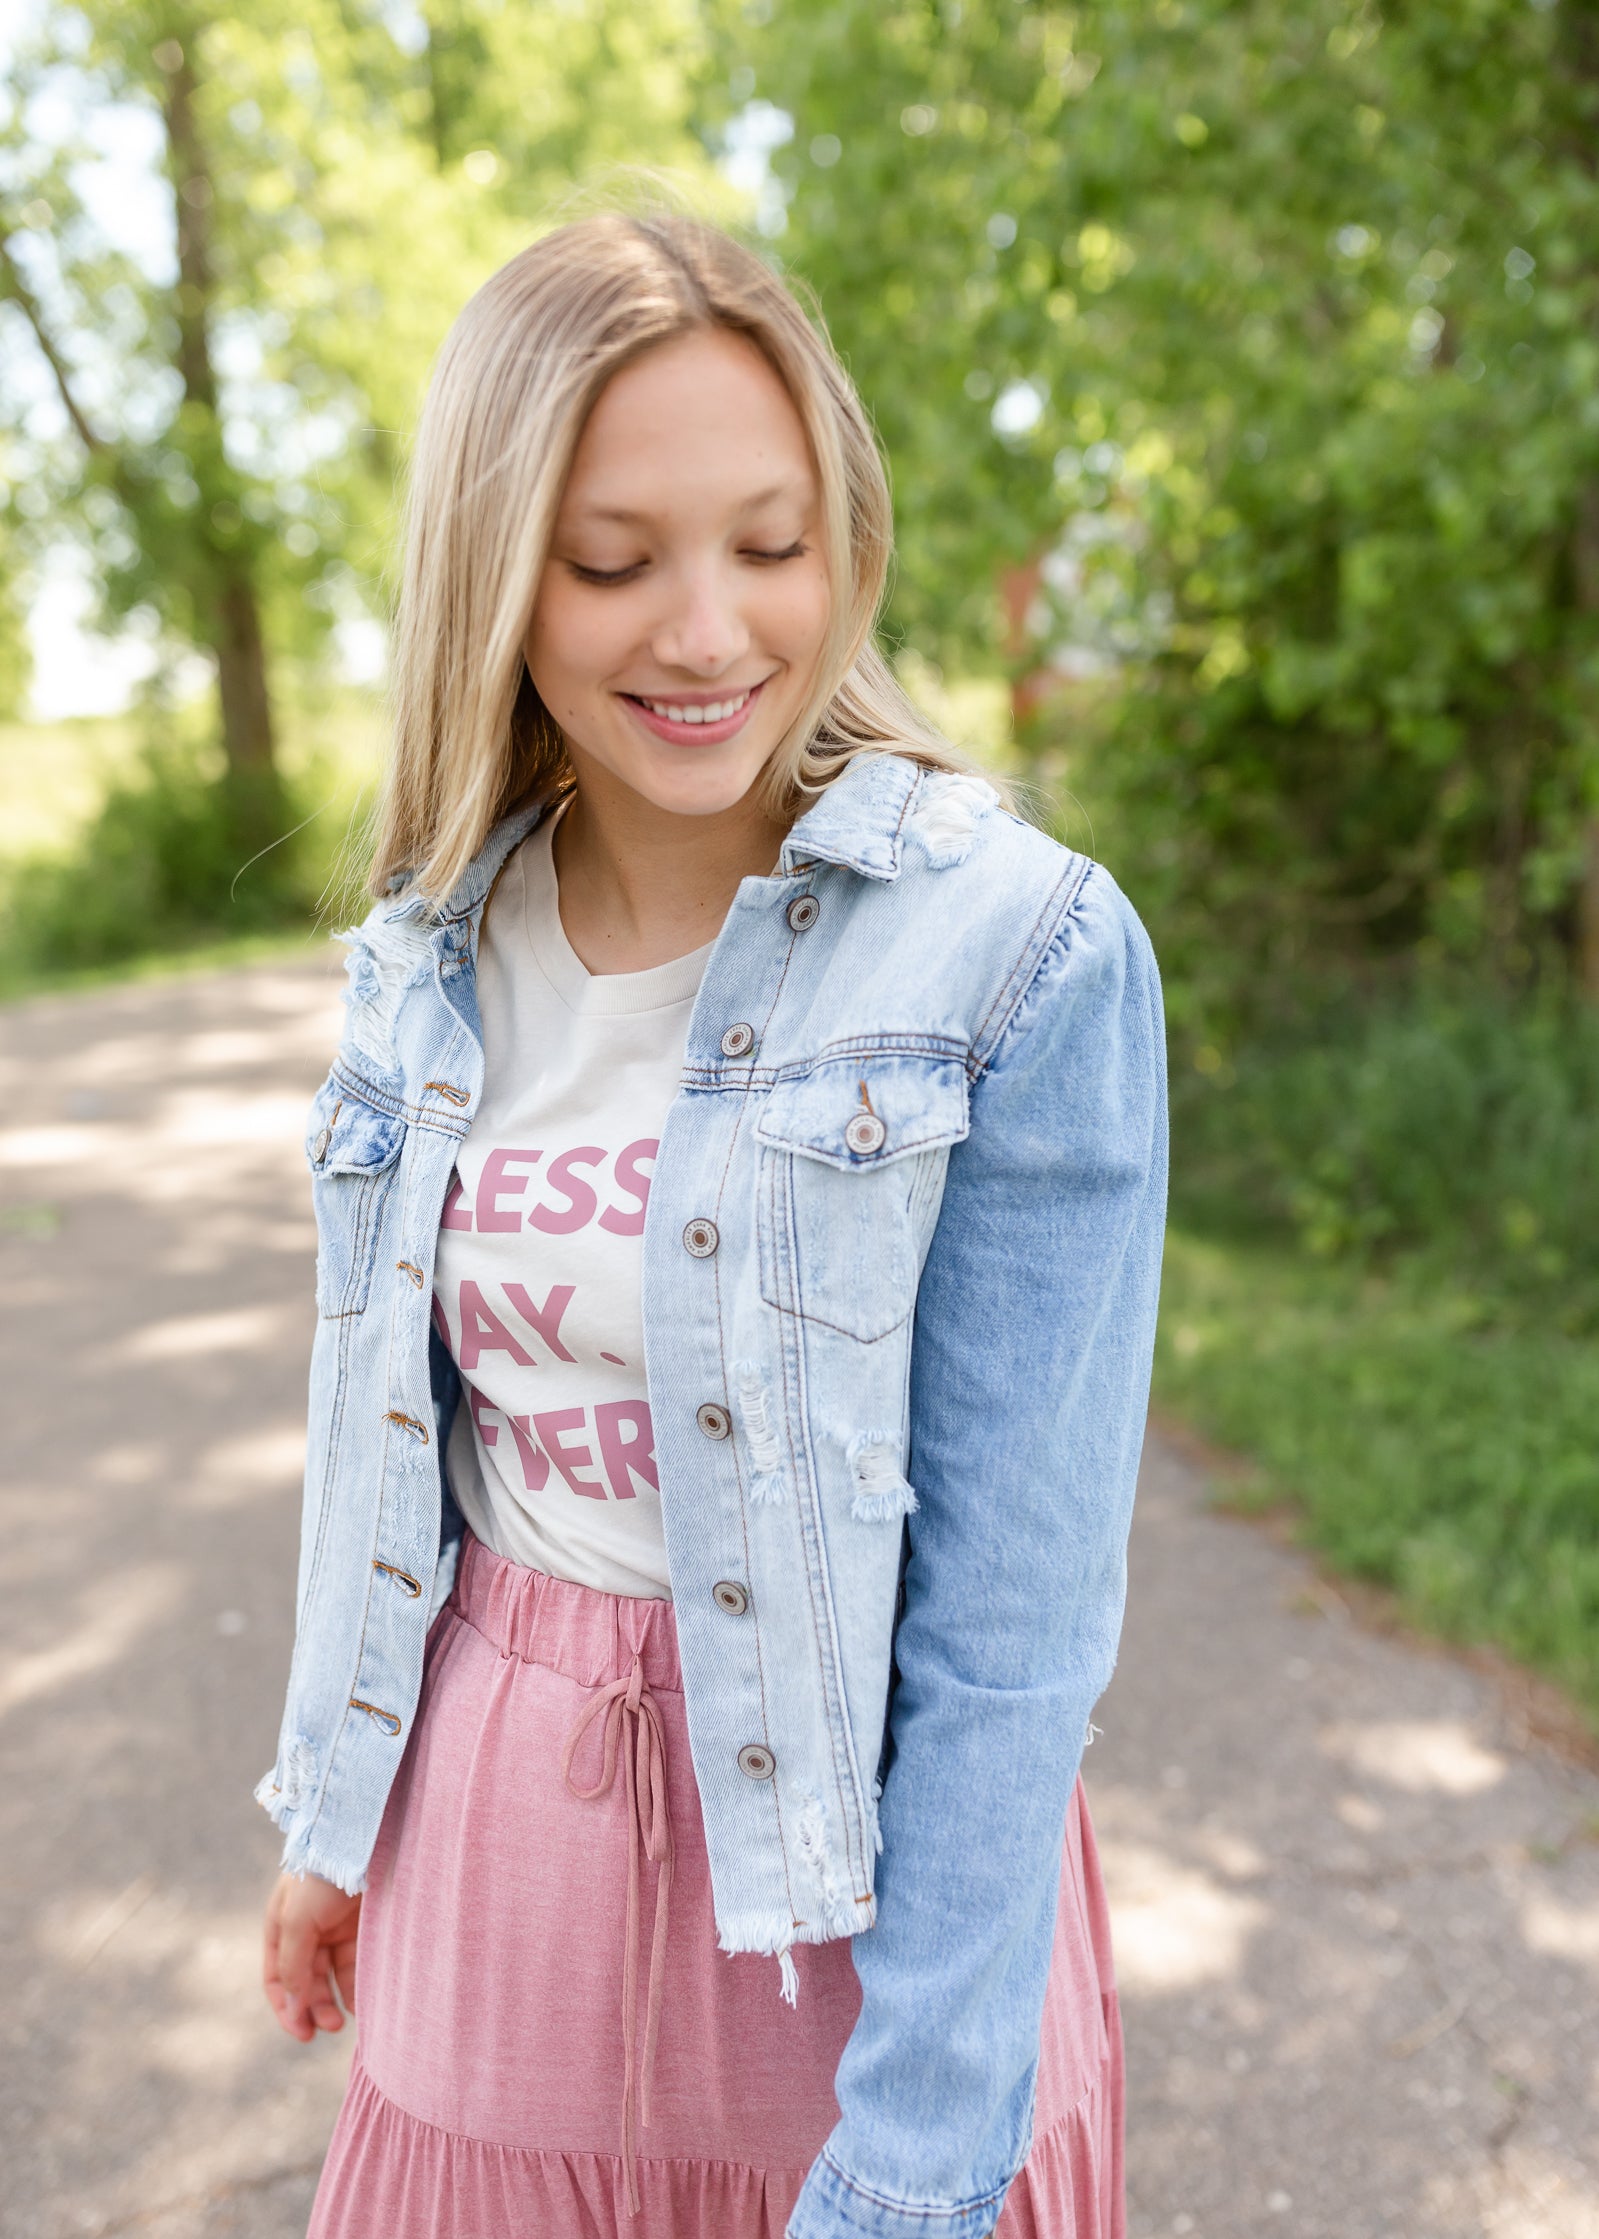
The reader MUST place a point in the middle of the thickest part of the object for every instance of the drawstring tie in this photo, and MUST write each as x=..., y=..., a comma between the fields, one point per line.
x=644, y=1764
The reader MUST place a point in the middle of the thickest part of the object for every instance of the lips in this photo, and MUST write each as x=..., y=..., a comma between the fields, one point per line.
x=704, y=722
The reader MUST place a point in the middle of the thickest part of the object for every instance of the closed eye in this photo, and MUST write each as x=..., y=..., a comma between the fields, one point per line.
x=606, y=575
x=627, y=574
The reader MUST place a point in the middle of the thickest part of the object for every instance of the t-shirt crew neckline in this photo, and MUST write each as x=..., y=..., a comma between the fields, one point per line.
x=609, y=993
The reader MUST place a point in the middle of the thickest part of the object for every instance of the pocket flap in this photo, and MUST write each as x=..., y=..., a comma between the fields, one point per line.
x=828, y=1113
x=346, y=1135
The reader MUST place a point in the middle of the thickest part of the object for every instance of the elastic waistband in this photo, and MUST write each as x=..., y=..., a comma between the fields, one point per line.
x=587, y=1636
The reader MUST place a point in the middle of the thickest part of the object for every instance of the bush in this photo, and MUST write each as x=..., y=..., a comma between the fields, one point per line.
x=1453, y=1131
x=177, y=854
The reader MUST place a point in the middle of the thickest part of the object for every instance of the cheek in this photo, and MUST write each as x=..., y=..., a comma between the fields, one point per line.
x=795, y=612
x=570, y=641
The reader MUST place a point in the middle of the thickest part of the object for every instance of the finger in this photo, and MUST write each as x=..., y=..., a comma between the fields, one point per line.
x=323, y=2005
x=270, y=1932
x=297, y=1947
x=277, y=1994
x=344, y=1970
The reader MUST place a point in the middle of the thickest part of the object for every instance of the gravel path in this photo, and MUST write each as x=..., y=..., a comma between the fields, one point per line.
x=1357, y=1908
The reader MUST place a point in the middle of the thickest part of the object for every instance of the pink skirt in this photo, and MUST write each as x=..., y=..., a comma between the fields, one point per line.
x=517, y=1957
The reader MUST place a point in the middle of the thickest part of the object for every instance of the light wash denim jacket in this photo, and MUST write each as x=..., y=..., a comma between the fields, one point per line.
x=904, y=1230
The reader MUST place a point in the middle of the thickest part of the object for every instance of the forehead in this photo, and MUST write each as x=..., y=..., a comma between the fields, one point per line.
x=704, y=417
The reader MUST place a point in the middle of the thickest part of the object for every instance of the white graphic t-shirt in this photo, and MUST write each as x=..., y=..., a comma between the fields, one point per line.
x=537, y=1279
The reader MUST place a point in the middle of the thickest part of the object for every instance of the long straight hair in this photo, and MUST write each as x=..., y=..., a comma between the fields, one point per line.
x=517, y=377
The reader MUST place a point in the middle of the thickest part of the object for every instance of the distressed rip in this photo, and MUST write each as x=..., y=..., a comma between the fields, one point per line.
x=946, y=813
x=813, y=1846
x=881, y=1490
x=755, y=1413
x=386, y=955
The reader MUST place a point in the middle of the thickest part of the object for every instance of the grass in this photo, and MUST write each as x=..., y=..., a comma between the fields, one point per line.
x=1429, y=1446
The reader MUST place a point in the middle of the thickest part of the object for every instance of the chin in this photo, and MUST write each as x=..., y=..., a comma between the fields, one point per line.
x=690, y=781
x=696, y=792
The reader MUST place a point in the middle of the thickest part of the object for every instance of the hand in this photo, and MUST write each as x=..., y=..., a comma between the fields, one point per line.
x=309, y=1949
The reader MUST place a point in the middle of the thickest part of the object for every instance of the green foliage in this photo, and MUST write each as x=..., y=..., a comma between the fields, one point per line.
x=1451, y=1134
x=1454, y=1464
x=1265, y=339
x=178, y=853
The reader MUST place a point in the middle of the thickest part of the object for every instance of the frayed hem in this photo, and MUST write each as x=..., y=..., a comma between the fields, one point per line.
x=765, y=1936
x=301, y=1856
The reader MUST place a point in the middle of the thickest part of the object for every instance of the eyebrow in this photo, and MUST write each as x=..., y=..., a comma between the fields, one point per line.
x=631, y=519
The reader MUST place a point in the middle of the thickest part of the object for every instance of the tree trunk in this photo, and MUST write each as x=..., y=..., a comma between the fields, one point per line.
x=241, y=680
x=1030, y=686
x=227, y=598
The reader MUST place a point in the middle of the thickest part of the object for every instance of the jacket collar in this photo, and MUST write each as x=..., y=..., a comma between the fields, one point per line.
x=480, y=874
x=858, y=820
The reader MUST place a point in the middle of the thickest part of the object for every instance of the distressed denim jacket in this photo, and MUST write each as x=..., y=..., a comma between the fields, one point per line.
x=900, y=1267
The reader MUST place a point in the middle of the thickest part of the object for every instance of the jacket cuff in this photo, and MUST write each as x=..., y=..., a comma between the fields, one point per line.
x=834, y=2206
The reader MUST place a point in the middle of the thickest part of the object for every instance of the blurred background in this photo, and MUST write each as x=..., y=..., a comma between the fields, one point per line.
x=1237, y=364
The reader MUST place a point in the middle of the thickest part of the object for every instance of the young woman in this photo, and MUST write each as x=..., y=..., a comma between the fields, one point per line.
x=741, y=1121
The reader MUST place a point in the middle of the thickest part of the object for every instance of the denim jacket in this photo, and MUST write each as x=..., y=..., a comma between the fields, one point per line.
x=901, y=1256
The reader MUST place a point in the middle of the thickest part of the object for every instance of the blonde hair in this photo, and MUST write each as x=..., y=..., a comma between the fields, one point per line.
x=515, y=381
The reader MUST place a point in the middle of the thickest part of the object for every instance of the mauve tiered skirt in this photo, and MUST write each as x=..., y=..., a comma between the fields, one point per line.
x=496, y=2091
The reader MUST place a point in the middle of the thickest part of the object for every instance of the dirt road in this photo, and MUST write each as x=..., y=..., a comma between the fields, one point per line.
x=1358, y=1912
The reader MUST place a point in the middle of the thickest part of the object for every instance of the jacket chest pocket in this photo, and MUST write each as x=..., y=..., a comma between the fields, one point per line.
x=354, y=1152
x=852, y=1160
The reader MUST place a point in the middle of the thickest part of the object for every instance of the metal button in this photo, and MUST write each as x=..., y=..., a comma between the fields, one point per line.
x=803, y=912
x=319, y=1149
x=701, y=1238
x=738, y=1041
x=866, y=1133
x=756, y=1761
x=728, y=1594
x=714, y=1421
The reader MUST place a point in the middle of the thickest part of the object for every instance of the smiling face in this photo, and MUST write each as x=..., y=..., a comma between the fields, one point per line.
x=685, y=600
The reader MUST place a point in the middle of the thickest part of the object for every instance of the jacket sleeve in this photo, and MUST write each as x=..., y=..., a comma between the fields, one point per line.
x=1029, y=1386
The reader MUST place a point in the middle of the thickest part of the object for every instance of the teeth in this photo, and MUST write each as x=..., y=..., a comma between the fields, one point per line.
x=713, y=711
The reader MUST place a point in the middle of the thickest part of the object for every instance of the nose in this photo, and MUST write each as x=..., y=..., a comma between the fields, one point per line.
x=705, y=632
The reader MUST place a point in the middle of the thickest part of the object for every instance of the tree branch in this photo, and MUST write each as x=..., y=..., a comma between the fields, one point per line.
x=13, y=284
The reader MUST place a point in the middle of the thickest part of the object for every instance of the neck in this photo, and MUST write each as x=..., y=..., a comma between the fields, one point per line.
x=640, y=885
